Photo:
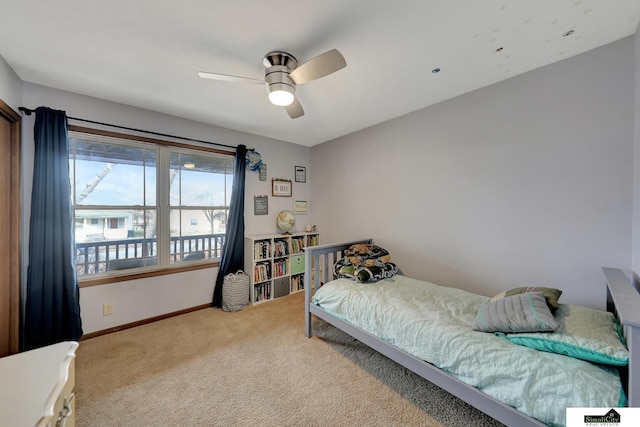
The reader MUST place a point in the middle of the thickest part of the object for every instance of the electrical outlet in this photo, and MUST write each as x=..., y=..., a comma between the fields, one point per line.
x=107, y=309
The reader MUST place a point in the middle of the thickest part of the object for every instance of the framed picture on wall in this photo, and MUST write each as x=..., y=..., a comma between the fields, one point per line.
x=281, y=187
x=300, y=207
x=301, y=174
x=260, y=205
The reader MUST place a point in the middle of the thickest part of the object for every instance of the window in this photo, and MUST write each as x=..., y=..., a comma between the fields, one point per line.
x=145, y=204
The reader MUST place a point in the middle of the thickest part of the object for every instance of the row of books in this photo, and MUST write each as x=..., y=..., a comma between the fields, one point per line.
x=297, y=245
x=297, y=282
x=280, y=267
x=262, y=272
x=261, y=291
x=280, y=248
x=262, y=249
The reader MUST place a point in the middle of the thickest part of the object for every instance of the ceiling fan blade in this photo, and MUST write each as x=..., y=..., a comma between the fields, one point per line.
x=295, y=109
x=318, y=67
x=228, y=78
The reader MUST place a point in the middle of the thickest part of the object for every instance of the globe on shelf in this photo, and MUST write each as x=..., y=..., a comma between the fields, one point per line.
x=285, y=221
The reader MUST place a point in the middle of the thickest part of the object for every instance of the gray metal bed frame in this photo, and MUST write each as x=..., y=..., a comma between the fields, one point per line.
x=622, y=299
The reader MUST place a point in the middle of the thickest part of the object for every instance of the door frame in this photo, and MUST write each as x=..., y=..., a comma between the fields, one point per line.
x=14, y=120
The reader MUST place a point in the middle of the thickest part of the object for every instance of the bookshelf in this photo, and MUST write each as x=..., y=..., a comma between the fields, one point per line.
x=275, y=264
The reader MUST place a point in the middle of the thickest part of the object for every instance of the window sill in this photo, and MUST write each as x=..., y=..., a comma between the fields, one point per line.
x=122, y=277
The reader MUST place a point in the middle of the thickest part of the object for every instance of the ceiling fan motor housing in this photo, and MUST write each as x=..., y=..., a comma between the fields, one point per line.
x=278, y=67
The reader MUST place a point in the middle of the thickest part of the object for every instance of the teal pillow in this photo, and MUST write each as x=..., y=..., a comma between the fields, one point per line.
x=527, y=312
x=583, y=333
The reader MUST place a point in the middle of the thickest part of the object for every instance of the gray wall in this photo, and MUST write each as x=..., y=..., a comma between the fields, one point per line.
x=10, y=86
x=525, y=182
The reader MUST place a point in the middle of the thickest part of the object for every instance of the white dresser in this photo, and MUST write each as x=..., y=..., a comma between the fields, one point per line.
x=36, y=387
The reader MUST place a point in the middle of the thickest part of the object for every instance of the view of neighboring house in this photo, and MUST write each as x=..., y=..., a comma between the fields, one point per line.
x=95, y=225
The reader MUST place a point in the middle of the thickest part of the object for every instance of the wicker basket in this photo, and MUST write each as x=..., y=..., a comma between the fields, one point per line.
x=235, y=291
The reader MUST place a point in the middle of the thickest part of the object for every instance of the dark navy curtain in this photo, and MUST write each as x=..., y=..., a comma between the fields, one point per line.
x=52, y=305
x=232, y=258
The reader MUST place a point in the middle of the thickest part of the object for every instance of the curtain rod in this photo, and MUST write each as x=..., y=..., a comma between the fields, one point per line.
x=29, y=111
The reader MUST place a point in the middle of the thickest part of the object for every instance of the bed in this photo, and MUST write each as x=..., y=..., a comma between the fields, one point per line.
x=484, y=393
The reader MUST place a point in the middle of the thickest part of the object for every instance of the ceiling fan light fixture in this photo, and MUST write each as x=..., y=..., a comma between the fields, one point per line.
x=281, y=94
x=282, y=75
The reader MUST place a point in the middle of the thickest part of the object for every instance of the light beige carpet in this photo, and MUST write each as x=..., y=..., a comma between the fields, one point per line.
x=252, y=368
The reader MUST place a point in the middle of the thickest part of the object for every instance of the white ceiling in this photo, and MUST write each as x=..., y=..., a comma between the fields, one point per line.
x=147, y=53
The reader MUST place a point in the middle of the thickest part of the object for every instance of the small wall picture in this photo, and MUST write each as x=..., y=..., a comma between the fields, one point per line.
x=300, y=207
x=260, y=205
x=281, y=187
x=301, y=174
x=262, y=175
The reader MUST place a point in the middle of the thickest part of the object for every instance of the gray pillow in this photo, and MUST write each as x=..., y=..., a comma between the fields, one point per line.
x=526, y=312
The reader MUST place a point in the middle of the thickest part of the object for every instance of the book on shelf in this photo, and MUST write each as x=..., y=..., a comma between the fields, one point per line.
x=262, y=272
x=280, y=267
x=261, y=291
x=297, y=282
x=280, y=248
x=297, y=245
x=261, y=249
x=313, y=240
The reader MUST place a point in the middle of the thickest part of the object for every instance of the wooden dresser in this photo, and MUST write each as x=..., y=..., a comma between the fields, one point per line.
x=36, y=387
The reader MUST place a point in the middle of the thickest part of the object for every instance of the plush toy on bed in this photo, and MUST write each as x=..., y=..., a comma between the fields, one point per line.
x=365, y=263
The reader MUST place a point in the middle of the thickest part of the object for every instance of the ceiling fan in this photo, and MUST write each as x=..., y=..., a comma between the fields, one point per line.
x=282, y=74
